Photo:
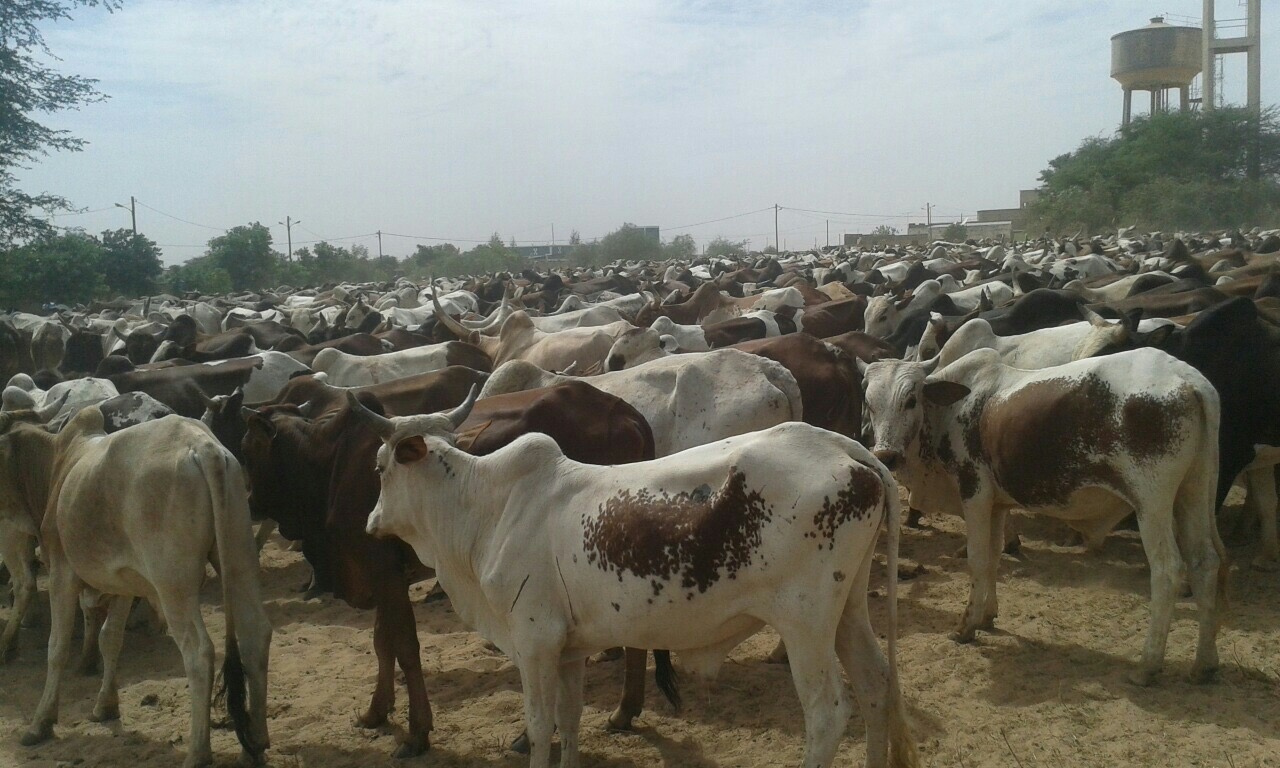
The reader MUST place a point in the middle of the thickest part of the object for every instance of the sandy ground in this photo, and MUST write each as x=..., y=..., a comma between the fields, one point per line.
x=1045, y=689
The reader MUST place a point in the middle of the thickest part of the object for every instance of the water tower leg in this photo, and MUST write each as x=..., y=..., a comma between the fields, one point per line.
x=1184, y=93
x=1128, y=106
x=1155, y=102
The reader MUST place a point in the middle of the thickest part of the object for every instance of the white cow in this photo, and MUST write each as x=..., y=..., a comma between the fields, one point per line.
x=344, y=370
x=552, y=560
x=688, y=400
x=140, y=513
x=1088, y=442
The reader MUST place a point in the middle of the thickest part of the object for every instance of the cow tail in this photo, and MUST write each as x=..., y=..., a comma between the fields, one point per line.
x=664, y=674
x=902, y=745
x=237, y=566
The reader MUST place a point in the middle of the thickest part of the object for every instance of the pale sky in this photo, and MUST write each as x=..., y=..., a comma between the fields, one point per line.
x=455, y=118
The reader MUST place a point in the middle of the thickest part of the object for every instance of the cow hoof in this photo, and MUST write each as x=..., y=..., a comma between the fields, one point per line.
x=1013, y=546
x=314, y=593
x=372, y=719
x=252, y=759
x=435, y=596
x=198, y=761
x=915, y=519
x=964, y=636
x=609, y=654
x=37, y=735
x=1204, y=675
x=412, y=748
x=619, y=721
x=103, y=714
x=1143, y=678
x=521, y=745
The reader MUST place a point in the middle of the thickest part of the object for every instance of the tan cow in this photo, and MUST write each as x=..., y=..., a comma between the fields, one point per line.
x=139, y=513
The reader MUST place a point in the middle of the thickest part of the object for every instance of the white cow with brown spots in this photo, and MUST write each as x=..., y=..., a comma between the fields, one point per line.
x=140, y=513
x=1087, y=442
x=552, y=560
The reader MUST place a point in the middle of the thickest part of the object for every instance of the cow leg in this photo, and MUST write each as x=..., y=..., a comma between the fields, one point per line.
x=815, y=668
x=265, y=529
x=569, y=707
x=1162, y=554
x=1197, y=538
x=983, y=560
x=998, y=545
x=17, y=549
x=111, y=640
x=64, y=590
x=1261, y=484
x=866, y=666
x=404, y=641
x=384, y=693
x=94, y=608
x=182, y=611
x=633, y=681
x=539, y=677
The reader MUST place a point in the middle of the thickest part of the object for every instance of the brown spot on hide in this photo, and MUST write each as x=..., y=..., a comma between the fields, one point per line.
x=1053, y=437
x=1152, y=425
x=697, y=536
x=838, y=576
x=863, y=492
x=967, y=477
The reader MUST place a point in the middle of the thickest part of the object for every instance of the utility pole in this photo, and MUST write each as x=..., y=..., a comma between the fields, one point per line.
x=552, y=255
x=379, y=243
x=928, y=215
x=133, y=213
x=777, y=244
x=828, y=233
x=288, y=233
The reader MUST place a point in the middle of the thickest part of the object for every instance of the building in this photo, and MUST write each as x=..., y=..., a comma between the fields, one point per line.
x=558, y=251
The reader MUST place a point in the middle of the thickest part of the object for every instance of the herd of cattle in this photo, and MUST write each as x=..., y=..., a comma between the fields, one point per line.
x=649, y=456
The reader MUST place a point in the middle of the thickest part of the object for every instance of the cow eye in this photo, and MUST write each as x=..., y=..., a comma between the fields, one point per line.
x=911, y=402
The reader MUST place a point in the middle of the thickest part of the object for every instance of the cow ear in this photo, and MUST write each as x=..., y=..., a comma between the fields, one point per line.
x=411, y=449
x=944, y=392
x=1160, y=336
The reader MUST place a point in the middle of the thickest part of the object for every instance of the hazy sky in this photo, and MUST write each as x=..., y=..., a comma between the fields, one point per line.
x=456, y=118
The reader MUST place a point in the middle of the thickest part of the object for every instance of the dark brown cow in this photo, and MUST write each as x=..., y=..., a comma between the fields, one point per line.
x=830, y=385
x=834, y=317
x=316, y=478
x=355, y=344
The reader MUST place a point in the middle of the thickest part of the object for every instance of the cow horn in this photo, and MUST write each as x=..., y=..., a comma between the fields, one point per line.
x=461, y=331
x=459, y=414
x=383, y=426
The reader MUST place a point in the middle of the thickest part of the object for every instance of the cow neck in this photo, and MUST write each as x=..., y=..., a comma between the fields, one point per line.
x=469, y=504
x=36, y=452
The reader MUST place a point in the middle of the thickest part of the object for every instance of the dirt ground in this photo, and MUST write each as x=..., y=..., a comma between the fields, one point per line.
x=1045, y=689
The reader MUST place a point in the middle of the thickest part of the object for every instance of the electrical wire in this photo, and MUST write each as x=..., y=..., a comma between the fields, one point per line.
x=178, y=218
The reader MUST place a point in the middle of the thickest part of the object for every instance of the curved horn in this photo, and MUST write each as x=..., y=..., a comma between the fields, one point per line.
x=459, y=330
x=380, y=424
x=459, y=414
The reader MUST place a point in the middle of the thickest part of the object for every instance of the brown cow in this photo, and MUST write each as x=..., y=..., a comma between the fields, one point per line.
x=315, y=476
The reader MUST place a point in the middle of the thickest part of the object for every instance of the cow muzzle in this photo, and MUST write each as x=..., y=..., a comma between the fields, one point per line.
x=887, y=456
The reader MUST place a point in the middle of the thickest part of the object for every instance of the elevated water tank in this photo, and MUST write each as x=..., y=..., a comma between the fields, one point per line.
x=1158, y=55
x=1156, y=58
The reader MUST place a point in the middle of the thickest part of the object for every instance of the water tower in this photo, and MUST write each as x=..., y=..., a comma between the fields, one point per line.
x=1157, y=58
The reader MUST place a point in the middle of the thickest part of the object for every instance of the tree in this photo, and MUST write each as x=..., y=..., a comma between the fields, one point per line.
x=725, y=248
x=884, y=230
x=245, y=253
x=629, y=243
x=30, y=87
x=575, y=238
x=64, y=269
x=682, y=247
x=955, y=233
x=130, y=263
x=203, y=274
x=1167, y=171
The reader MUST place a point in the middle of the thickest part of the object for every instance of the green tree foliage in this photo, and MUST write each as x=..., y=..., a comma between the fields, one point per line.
x=130, y=263
x=29, y=88
x=64, y=269
x=427, y=256
x=245, y=254
x=629, y=243
x=724, y=248
x=203, y=274
x=1179, y=170
x=955, y=233
x=682, y=247
x=884, y=230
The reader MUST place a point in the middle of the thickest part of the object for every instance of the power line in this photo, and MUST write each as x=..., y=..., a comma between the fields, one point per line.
x=438, y=239
x=82, y=213
x=847, y=213
x=178, y=218
x=725, y=218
